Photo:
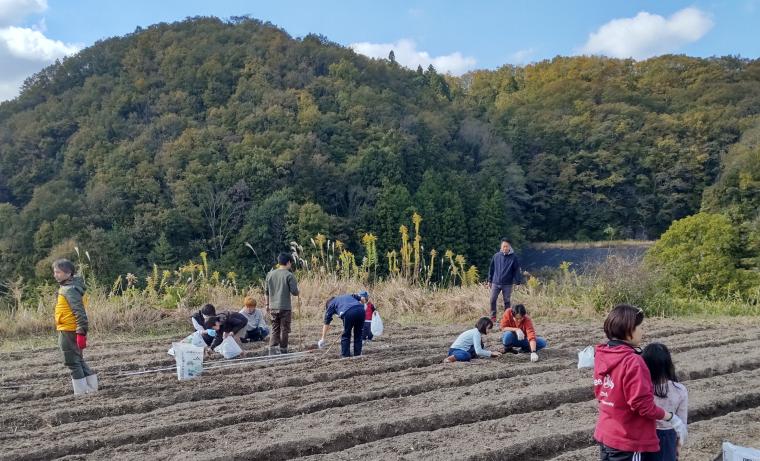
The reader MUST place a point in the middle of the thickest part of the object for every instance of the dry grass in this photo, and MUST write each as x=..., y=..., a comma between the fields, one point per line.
x=563, y=294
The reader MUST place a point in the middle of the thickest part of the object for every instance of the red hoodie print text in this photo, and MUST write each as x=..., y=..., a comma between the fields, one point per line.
x=607, y=383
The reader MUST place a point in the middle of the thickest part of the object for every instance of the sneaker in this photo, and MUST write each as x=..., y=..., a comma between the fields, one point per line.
x=274, y=350
x=510, y=350
x=283, y=350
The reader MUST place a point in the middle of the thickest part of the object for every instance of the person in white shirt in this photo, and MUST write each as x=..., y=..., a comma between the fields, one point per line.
x=256, y=330
x=670, y=395
x=469, y=345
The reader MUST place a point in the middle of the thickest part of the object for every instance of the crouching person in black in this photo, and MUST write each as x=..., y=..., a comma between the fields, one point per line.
x=199, y=320
x=226, y=324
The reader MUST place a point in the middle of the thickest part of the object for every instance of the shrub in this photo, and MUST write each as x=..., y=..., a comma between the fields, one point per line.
x=699, y=255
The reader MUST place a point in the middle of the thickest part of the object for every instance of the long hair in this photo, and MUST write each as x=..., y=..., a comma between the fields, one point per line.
x=483, y=325
x=661, y=369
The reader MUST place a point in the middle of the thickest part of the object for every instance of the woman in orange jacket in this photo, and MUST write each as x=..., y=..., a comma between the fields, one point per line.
x=518, y=331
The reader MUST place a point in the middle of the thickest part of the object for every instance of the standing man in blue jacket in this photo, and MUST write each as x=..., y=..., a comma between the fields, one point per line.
x=503, y=272
x=351, y=310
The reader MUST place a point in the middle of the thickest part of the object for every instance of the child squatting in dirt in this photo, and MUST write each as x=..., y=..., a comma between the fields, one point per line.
x=469, y=345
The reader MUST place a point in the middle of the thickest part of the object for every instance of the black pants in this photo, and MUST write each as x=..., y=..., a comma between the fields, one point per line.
x=353, y=320
x=668, y=443
x=256, y=334
x=367, y=334
x=612, y=454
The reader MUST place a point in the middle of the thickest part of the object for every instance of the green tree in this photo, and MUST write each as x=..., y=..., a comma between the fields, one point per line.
x=698, y=256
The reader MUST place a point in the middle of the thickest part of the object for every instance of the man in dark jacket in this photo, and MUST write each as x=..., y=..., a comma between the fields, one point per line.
x=199, y=321
x=228, y=324
x=503, y=272
x=351, y=310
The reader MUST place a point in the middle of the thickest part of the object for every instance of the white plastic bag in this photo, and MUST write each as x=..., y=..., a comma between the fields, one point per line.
x=196, y=339
x=733, y=452
x=377, y=324
x=229, y=348
x=586, y=357
x=189, y=360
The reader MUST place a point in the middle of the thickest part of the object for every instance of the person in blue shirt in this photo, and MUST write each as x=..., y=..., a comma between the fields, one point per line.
x=503, y=272
x=350, y=309
x=469, y=345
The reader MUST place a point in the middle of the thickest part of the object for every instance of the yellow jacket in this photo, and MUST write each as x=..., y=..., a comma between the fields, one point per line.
x=70, y=305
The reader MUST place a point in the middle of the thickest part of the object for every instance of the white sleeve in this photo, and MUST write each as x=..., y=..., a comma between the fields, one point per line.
x=476, y=338
x=198, y=327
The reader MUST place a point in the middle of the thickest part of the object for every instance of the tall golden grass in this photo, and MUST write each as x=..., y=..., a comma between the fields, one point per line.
x=563, y=295
x=433, y=288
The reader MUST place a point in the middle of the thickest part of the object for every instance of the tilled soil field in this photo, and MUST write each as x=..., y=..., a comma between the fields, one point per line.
x=398, y=401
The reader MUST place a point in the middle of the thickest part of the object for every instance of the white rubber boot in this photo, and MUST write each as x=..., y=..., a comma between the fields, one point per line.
x=80, y=386
x=92, y=382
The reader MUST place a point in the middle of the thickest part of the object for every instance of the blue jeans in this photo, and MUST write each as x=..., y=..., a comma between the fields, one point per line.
x=353, y=321
x=462, y=355
x=509, y=339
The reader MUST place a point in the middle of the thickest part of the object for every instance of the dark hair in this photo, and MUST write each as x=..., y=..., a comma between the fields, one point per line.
x=504, y=239
x=284, y=258
x=519, y=309
x=211, y=321
x=661, y=369
x=483, y=325
x=208, y=309
x=622, y=320
x=65, y=265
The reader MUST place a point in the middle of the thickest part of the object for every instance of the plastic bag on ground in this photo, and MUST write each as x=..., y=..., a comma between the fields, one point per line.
x=189, y=360
x=229, y=348
x=196, y=339
x=586, y=357
x=733, y=452
x=377, y=324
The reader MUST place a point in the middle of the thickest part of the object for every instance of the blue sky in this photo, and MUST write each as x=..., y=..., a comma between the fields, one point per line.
x=455, y=36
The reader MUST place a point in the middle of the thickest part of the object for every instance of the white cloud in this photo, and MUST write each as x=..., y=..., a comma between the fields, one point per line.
x=25, y=50
x=407, y=55
x=522, y=56
x=647, y=35
x=13, y=11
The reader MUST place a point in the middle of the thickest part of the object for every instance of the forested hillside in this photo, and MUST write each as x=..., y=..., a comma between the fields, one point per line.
x=207, y=134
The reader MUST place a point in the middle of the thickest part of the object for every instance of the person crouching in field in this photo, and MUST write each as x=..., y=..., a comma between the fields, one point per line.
x=469, y=345
x=256, y=329
x=519, y=332
x=199, y=321
x=228, y=324
x=369, y=309
x=670, y=395
x=350, y=309
x=71, y=324
x=626, y=427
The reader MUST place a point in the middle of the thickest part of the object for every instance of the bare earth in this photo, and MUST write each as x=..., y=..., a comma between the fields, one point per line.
x=396, y=402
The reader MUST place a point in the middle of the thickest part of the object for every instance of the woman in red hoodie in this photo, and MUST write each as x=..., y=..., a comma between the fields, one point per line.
x=626, y=429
